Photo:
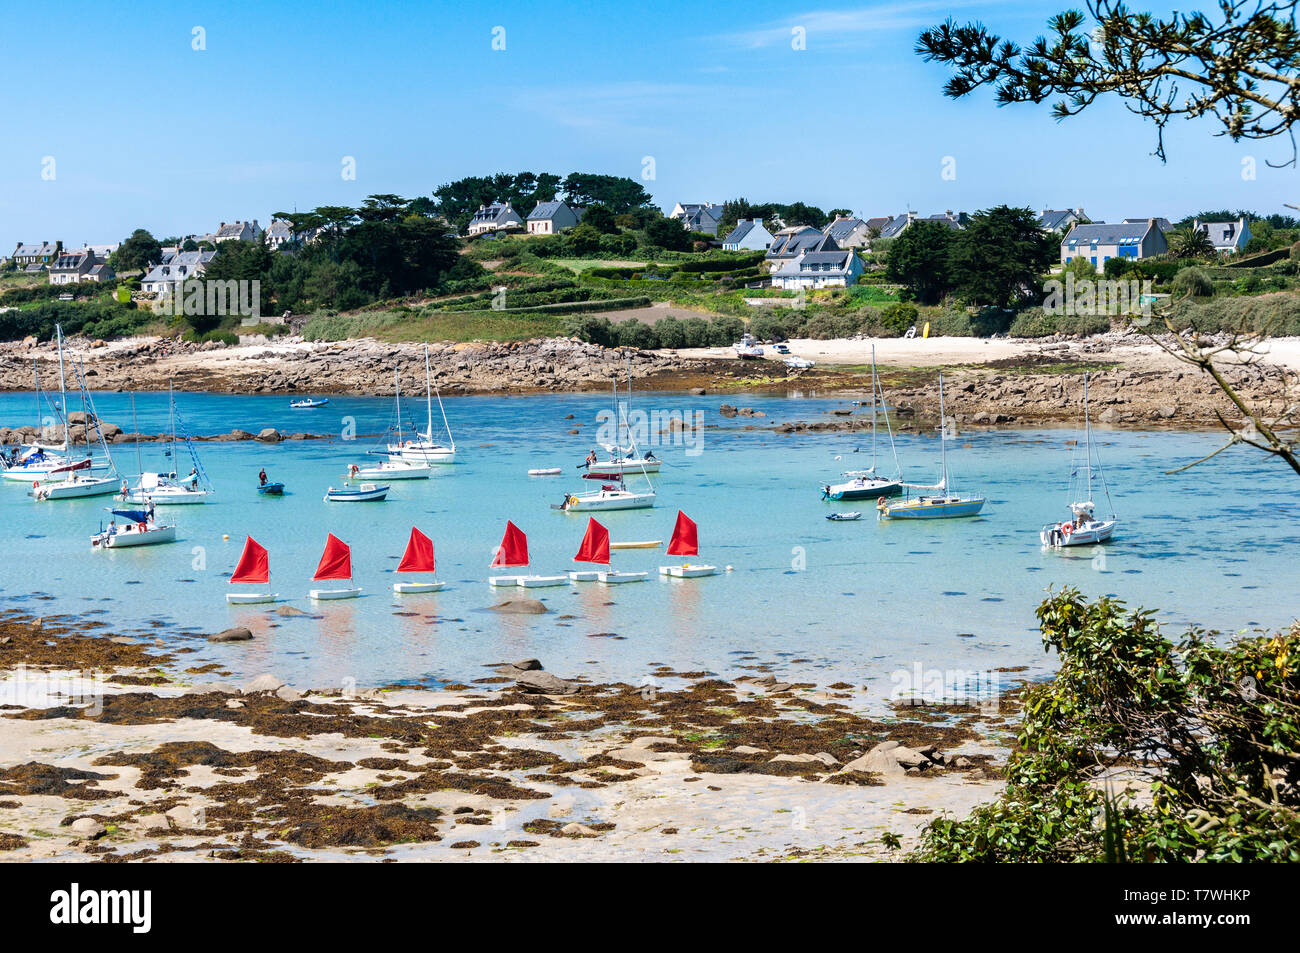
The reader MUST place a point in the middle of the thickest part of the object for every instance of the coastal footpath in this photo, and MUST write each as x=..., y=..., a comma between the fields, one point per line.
x=113, y=749
x=988, y=381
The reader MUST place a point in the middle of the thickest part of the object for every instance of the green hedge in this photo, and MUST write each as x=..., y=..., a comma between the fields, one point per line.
x=1035, y=323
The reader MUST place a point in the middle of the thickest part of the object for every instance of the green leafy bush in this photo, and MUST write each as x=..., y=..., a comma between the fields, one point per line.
x=1212, y=724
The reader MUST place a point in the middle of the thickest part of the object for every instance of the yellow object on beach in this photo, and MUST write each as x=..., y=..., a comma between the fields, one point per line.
x=925, y=331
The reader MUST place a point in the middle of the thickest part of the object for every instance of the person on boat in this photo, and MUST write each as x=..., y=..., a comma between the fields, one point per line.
x=193, y=478
x=591, y=457
x=112, y=527
x=149, y=509
x=649, y=455
x=261, y=477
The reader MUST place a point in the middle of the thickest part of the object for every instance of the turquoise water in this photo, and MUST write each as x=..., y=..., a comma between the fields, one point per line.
x=825, y=601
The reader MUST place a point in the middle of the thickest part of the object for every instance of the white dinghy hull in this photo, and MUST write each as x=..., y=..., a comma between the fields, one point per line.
x=323, y=594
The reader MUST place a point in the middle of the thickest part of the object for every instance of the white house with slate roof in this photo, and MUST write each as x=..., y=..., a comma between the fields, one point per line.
x=899, y=223
x=703, y=217
x=748, y=235
x=789, y=242
x=549, y=218
x=1062, y=220
x=1227, y=237
x=78, y=266
x=492, y=218
x=42, y=255
x=848, y=232
x=184, y=265
x=1100, y=242
x=822, y=266
x=235, y=231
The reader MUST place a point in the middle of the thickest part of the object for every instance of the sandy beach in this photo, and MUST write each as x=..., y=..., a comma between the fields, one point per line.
x=113, y=750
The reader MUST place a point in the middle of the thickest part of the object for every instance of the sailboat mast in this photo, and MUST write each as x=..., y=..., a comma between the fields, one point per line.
x=943, y=438
x=1087, y=435
x=397, y=398
x=63, y=389
x=874, y=408
x=428, y=396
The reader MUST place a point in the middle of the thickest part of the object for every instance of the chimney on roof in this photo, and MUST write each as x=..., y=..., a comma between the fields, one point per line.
x=1151, y=223
x=758, y=221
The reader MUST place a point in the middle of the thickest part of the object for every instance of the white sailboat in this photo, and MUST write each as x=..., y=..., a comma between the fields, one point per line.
x=1082, y=528
x=614, y=494
x=47, y=462
x=140, y=528
x=944, y=503
x=424, y=449
x=866, y=484
x=167, y=489
x=622, y=459
x=81, y=482
x=395, y=467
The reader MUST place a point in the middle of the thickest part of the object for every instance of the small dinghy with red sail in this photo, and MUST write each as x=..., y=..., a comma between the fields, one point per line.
x=513, y=552
x=335, y=563
x=418, y=558
x=254, y=567
x=685, y=542
x=595, y=550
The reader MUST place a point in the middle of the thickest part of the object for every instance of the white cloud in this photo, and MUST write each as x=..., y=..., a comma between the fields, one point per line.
x=842, y=28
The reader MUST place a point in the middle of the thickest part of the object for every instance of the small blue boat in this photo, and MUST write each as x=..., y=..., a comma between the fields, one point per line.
x=271, y=489
x=306, y=403
x=365, y=493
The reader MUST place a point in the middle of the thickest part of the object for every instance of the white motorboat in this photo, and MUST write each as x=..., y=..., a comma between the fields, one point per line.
x=799, y=363
x=1082, y=528
x=418, y=558
x=945, y=503
x=335, y=563
x=138, y=529
x=685, y=542
x=308, y=403
x=390, y=470
x=254, y=566
x=747, y=349
x=545, y=471
x=423, y=448
x=365, y=493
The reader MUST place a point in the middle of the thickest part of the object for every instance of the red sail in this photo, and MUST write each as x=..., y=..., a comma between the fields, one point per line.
x=419, y=553
x=513, y=550
x=254, y=564
x=595, y=545
x=685, y=541
x=336, y=561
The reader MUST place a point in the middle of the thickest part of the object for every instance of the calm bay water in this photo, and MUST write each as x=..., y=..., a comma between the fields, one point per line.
x=826, y=601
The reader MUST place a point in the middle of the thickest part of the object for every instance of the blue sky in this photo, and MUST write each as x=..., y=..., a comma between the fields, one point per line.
x=146, y=131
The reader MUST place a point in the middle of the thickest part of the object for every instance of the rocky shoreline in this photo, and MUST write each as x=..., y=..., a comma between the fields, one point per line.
x=113, y=750
x=1131, y=385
